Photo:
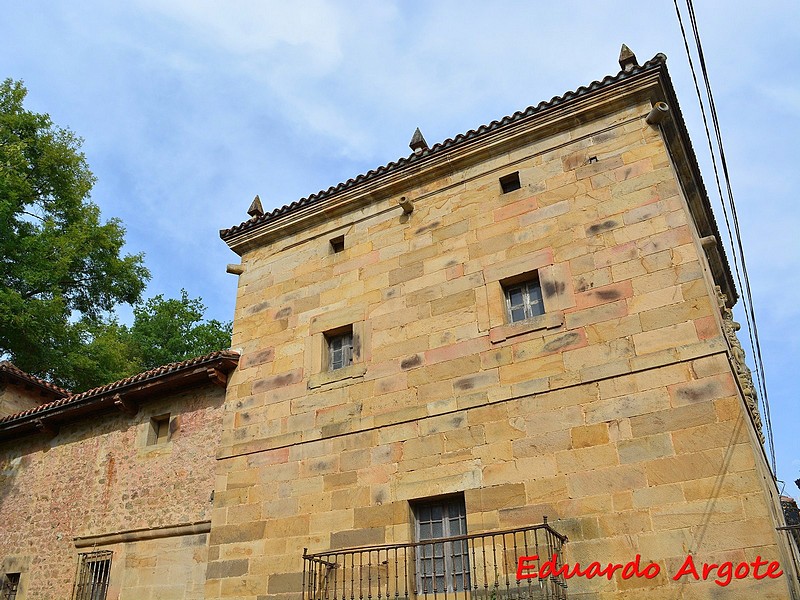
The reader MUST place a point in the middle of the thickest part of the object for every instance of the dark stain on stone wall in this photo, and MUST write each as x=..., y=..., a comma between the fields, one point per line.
x=561, y=342
x=411, y=361
x=604, y=226
x=553, y=288
x=425, y=228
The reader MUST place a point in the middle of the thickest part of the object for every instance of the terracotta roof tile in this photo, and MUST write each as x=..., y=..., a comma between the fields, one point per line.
x=657, y=61
x=13, y=370
x=123, y=383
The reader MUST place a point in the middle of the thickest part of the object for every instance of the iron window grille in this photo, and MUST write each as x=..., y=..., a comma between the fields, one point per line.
x=524, y=300
x=10, y=586
x=442, y=566
x=340, y=350
x=94, y=569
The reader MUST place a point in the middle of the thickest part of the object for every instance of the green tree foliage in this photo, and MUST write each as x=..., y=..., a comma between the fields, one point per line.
x=102, y=353
x=61, y=267
x=171, y=330
x=62, y=272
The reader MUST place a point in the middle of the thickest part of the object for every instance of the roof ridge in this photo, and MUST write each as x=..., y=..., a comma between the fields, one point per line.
x=11, y=368
x=658, y=60
x=115, y=385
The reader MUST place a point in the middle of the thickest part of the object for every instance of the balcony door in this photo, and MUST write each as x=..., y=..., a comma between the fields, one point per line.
x=441, y=566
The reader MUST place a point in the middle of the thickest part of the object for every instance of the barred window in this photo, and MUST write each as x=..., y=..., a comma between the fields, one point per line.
x=91, y=582
x=9, y=586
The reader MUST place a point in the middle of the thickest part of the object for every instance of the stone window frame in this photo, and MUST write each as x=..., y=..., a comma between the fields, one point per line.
x=554, y=278
x=331, y=323
x=147, y=440
x=16, y=565
x=155, y=434
x=510, y=182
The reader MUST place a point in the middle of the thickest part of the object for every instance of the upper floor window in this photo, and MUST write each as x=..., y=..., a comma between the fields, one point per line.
x=524, y=300
x=337, y=244
x=340, y=348
x=510, y=182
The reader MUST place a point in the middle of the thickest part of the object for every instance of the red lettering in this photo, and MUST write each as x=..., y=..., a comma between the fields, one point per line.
x=738, y=572
x=687, y=568
x=707, y=569
x=546, y=570
x=632, y=568
x=771, y=570
x=576, y=570
x=609, y=571
x=627, y=573
x=651, y=570
x=593, y=570
x=756, y=564
x=725, y=571
x=526, y=563
x=549, y=567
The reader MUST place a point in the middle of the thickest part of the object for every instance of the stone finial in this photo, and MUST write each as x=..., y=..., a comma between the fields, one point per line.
x=418, y=143
x=256, y=210
x=627, y=59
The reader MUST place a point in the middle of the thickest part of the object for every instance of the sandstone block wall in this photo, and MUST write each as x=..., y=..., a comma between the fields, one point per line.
x=98, y=477
x=615, y=414
x=162, y=569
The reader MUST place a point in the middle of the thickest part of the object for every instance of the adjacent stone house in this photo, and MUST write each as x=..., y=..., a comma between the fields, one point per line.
x=528, y=320
x=107, y=493
x=21, y=391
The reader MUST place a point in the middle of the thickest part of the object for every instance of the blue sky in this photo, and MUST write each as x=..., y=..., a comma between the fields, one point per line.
x=190, y=108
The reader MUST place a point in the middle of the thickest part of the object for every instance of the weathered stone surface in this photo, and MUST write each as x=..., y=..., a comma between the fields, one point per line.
x=124, y=484
x=615, y=413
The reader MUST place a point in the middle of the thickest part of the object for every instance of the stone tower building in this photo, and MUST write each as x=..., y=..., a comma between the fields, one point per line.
x=528, y=320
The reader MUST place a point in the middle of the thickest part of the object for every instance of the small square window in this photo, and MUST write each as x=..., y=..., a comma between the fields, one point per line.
x=340, y=348
x=9, y=586
x=510, y=182
x=337, y=244
x=523, y=300
x=159, y=430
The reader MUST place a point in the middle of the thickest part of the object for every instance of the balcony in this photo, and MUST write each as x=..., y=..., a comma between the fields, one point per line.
x=480, y=566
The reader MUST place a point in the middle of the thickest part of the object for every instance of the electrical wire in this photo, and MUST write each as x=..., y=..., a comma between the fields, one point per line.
x=747, y=297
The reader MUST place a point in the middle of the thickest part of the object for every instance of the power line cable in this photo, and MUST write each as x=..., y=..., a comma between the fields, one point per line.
x=747, y=293
x=749, y=305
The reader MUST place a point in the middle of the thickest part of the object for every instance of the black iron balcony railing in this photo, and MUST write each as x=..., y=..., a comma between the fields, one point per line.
x=480, y=566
